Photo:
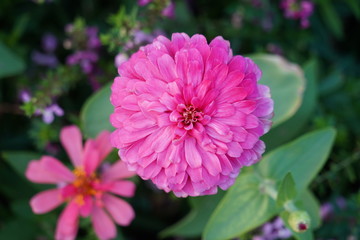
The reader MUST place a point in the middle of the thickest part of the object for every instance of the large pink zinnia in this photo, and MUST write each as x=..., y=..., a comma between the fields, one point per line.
x=189, y=114
x=87, y=192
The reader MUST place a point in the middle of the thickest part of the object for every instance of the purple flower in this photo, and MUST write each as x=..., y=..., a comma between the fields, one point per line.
x=144, y=2
x=44, y=59
x=86, y=59
x=48, y=114
x=49, y=42
x=25, y=96
x=47, y=59
x=169, y=10
x=120, y=58
x=298, y=9
x=273, y=230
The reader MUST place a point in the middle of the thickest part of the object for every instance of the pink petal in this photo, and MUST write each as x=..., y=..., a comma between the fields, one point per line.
x=117, y=171
x=192, y=155
x=67, y=225
x=103, y=144
x=71, y=139
x=48, y=170
x=120, y=210
x=46, y=201
x=123, y=188
x=103, y=225
x=167, y=68
x=91, y=157
x=86, y=208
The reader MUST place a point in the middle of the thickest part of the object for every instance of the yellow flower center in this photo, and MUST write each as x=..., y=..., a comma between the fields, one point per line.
x=84, y=185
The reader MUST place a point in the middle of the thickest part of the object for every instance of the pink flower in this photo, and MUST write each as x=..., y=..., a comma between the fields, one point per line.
x=189, y=114
x=86, y=192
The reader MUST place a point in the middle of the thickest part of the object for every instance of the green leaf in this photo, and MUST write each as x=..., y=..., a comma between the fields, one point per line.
x=286, y=82
x=194, y=223
x=331, y=17
x=10, y=64
x=293, y=126
x=96, y=112
x=287, y=191
x=19, y=160
x=354, y=5
x=303, y=157
x=243, y=208
x=19, y=229
x=308, y=235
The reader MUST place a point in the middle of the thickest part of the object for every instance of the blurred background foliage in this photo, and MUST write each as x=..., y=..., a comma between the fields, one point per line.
x=328, y=51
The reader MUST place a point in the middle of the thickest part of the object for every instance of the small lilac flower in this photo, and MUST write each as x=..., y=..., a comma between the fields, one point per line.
x=47, y=59
x=169, y=10
x=275, y=49
x=25, y=96
x=327, y=209
x=86, y=55
x=120, y=58
x=48, y=114
x=273, y=230
x=298, y=9
x=144, y=2
x=49, y=42
x=141, y=37
x=44, y=59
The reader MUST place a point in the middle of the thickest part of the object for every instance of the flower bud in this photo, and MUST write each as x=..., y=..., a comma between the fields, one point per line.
x=299, y=221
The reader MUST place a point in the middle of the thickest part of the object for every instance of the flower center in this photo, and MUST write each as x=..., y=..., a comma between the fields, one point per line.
x=84, y=185
x=189, y=115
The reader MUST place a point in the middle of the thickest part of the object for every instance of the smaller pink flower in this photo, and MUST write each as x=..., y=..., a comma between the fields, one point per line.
x=86, y=191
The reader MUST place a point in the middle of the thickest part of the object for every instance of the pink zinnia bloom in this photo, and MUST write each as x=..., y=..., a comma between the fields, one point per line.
x=189, y=114
x=86, y=192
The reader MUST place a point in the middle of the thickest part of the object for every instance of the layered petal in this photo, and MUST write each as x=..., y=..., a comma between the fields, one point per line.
x=46, y=201
x=71, y=139
x=67, y=225
x=194, y=118
x=48, y=170
x=121, y=211
x=102, y=223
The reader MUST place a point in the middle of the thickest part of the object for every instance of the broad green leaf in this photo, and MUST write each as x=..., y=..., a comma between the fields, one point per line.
x=243, y=208
x=331, y=17
x=19, y=160
x=292, y=127
x=308, y=235
x=19, y=229
x=287, y=190
x=96, y=112
x=310, y=204
x=355, y=7
x=10, y=64
x=194, y=223
x=286, y=82
x=303, y=157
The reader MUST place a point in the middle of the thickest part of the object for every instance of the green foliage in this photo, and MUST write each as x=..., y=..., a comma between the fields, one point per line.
x=243, y=208
x=291, y=128
x=287, y=190
x=331, y=17
x=303, y=157
x=250, y=202
x=286, y=81
x=19, y=160
x=193, y=224
x=96, y=112
x=10, y=64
